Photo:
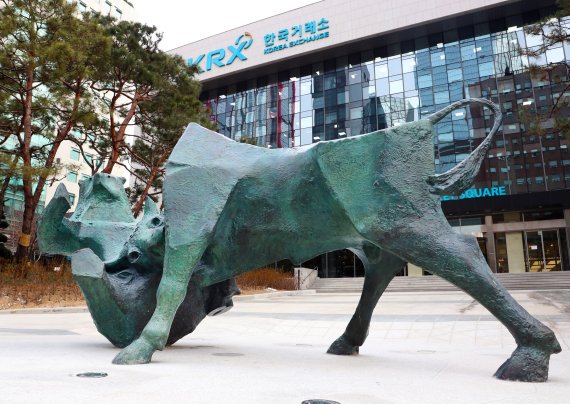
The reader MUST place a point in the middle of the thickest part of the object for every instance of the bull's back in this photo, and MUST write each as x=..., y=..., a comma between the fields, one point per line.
x=380, y=178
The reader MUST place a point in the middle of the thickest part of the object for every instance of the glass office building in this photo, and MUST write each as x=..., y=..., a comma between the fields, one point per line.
x=519, y=206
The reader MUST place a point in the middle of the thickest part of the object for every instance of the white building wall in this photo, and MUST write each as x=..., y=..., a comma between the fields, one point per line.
x=349, y=21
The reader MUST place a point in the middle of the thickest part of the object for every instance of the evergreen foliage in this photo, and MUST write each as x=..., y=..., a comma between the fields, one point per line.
x=554, y=32
x=84, y=78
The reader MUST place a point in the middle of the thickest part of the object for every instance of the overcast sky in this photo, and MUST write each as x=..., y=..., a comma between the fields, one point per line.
x=188, y=21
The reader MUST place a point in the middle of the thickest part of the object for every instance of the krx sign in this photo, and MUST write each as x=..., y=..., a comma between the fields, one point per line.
x=218, y=57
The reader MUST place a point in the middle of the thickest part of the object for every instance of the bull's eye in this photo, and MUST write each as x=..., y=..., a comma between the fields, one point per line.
x=125, y=275
x=156, y=221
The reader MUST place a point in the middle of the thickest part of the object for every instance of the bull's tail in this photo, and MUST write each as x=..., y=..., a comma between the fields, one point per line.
x=462, y=176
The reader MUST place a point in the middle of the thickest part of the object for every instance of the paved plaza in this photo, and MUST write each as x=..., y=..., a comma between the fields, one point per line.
x=423, y=348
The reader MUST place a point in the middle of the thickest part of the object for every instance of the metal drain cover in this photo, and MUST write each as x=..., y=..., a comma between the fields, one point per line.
x=92, y=374
x=227, y=354
x=427, y=351
x=319, y=401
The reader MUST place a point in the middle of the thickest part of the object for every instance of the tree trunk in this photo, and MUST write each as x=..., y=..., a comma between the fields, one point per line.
x=120, y=137
x=31, y=196
x=140, y=202
x=26, y=232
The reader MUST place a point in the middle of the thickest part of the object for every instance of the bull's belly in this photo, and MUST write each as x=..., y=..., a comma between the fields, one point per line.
x=227, y=258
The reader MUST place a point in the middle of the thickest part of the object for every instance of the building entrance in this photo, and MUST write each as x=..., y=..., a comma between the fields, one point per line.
x=543, y=250
x=337, y=264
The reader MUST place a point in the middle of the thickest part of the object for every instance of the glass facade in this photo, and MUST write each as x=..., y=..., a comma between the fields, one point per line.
x=390, y=85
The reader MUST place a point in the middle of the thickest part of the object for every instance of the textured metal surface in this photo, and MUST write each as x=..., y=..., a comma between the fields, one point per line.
x=119, y=286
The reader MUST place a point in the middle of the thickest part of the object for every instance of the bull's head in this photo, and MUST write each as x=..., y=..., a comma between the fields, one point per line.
x=117, y=261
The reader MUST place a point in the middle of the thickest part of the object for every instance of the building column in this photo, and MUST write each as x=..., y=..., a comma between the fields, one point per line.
x=490, y=243
x=567, y=220
x=515, y=252
x=414, y=270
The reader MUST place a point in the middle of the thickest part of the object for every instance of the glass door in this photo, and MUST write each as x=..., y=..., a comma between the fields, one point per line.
x=552, y=256
x=543, y=251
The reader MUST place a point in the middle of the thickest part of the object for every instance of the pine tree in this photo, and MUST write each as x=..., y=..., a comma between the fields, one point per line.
x=552, y=32
x=47, y=59
x=162, y=120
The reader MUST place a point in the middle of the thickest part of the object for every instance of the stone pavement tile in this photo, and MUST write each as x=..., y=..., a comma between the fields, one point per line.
x=401, y=325
x=419, y=325
x=442, y=329
x=318, y=332
x=397, y=334
x=298, y=330
x=419, y=335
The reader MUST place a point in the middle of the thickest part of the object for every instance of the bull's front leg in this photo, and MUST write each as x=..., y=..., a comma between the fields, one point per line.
x=179, y=263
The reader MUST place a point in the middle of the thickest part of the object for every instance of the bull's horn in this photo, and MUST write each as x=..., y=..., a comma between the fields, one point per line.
x=105, y=308
x=150, y=208
x=53, y=236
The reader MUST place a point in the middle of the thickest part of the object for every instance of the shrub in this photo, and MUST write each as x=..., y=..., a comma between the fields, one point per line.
x=38, y=284
x=266, y=278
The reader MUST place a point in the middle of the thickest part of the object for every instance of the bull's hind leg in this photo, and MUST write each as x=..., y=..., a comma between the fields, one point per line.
x=458, y=259
x=380, y=267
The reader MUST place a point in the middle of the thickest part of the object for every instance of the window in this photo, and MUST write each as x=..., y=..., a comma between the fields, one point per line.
x=306, y=122
x=85, y=177
x=396, y=86
x=71, y=198
x=486, y=69
x=424, y=81
x=381, y=71
x=74, y=154
x=89, y=158
x=72, y=176
x=82, y=6
x=356, y=113
x=441, y=97
x=454, y=75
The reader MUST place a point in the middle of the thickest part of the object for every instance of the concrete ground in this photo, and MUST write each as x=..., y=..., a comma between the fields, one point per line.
x=423, y=348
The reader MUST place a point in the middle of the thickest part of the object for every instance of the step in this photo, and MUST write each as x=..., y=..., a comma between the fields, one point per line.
x=517, y=281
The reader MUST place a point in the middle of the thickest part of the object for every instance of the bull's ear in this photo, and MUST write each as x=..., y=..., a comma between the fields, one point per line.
x=54, y=237
x=150, y=208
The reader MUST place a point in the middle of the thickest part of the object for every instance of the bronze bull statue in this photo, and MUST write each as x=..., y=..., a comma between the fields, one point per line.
x=231, y=207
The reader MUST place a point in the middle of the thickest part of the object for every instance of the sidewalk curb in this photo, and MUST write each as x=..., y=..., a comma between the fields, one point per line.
x=43, y=310
x=83, y=309
x=275, y=294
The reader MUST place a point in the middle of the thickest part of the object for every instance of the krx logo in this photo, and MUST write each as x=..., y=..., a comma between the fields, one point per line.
x=216, y=57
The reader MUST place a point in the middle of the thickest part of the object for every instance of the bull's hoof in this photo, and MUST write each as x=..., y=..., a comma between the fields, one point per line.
x=342, y=347
x=526, y=364
x=137, y=353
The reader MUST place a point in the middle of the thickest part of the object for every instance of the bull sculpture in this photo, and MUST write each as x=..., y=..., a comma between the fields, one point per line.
x=231, y=207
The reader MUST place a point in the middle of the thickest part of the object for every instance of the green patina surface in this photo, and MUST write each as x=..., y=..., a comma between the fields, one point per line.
x=231, y=207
